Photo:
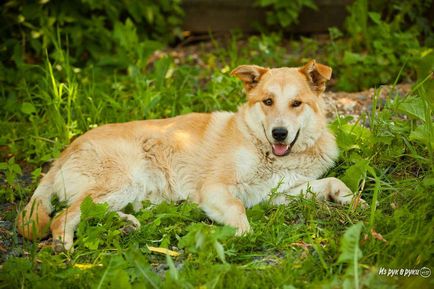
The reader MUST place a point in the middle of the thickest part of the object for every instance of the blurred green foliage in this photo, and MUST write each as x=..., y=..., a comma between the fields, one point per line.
x=90, y=29
x=282, y=13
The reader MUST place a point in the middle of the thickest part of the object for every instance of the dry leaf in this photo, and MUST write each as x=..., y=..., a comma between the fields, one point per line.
x=163, y=251
x=377, y=236
x=86, y=266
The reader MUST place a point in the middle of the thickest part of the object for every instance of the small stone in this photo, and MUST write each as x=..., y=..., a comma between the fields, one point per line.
x=362, y=97
x=348, y=104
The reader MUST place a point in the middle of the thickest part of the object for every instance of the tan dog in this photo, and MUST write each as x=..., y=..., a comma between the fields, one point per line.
x=222, y=161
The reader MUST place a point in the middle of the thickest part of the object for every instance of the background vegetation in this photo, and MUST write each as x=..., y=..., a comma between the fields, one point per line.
x=69, y=66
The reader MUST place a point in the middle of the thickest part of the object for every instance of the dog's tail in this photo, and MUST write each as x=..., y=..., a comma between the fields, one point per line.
x=34, y=220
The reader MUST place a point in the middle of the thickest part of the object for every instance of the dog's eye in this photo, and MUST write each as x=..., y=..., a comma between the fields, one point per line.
x=296, y=103
x=268, y=101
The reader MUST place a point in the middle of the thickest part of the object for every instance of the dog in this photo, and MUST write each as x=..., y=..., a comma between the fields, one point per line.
x=223, y=161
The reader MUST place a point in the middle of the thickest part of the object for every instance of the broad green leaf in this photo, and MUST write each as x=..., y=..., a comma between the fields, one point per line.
x=28, y=108
x=423, y=134
x=91, y=242
x=350, y=254
x=352, y=58
x=350, y=251
x=376, y=17
x=413, y=107
x=91, y=210
x=174, y=274
x=428, y=181
x=351, y=136
x=220, y=251
x=120, y=279
x=355, y=173
x=3, y=166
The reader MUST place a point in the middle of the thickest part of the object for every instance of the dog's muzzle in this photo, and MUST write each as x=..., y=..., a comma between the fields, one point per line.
x=281, y=150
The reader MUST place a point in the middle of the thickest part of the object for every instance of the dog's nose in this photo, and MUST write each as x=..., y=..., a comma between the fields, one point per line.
x=279, y=133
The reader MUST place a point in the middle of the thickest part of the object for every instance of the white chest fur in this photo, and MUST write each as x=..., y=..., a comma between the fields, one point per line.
x=257, y=177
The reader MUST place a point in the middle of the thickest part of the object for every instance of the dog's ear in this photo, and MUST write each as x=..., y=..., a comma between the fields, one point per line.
x=249, y=75
x=317, y=74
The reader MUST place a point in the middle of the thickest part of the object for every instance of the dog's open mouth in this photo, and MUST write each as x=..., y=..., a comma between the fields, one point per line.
x=281, y=150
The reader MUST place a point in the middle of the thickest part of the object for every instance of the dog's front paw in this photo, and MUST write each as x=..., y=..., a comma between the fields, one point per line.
x=338, y=192
x=358, y=201
x=60, y=246
x=132, y=223
x=242, y=226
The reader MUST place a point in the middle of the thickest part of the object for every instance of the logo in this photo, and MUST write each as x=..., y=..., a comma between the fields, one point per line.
x=425, y=272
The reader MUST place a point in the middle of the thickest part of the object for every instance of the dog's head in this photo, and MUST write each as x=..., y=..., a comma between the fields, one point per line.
x=284, y=105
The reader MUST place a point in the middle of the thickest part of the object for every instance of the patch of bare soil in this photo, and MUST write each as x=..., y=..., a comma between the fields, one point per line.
x=356, y=103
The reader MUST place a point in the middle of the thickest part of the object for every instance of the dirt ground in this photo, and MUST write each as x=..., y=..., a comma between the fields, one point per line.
x=356, y=103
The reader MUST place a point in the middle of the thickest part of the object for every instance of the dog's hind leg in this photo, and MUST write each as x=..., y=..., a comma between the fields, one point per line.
x=224, y=208
x=63, y=227
x=65, y=222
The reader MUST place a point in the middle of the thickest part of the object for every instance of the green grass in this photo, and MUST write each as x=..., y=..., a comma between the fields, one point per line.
x=306, y=244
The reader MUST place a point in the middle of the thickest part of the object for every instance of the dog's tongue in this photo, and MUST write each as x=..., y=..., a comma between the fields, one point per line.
x=280, y=149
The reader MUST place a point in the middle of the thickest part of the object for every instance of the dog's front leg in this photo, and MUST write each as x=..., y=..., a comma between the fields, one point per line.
x=324, y=189
x=221, y=206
